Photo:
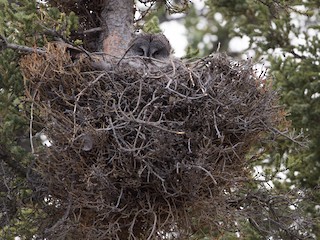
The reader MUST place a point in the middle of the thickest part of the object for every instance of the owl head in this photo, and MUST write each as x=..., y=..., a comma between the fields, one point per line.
x=150, y=45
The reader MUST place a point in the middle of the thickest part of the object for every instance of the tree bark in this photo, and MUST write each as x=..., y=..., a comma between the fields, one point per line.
x=117, y=23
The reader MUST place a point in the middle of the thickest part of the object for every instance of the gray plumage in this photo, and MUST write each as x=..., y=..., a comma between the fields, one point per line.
x=150, y=45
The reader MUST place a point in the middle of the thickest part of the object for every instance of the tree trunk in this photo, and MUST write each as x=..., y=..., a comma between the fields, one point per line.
x=117, y=22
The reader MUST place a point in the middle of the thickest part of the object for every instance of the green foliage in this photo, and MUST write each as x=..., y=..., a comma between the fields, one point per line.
x=17, y=17
x=62, y=23
x=152, y=26
x=13, y=129
x=191, y=52
x=21, y=22
x=299, y=80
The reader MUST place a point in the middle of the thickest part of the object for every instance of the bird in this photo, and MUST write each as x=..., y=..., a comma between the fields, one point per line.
x=150, y=45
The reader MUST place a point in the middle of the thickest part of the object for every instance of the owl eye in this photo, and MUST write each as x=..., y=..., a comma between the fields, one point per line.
x=140, y=52
x=156, y=54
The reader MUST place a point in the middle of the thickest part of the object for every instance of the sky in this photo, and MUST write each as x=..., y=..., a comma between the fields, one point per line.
x=176, y=33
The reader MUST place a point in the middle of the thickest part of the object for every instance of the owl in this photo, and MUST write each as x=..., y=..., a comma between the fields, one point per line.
x=150, y=45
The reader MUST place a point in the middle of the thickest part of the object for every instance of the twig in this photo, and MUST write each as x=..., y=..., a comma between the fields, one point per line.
x=30, y=127
x=61, y=220
x=205, y=170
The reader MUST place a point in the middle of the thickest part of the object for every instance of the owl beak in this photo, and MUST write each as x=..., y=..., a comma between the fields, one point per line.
x=145, y=51
x=149, y=53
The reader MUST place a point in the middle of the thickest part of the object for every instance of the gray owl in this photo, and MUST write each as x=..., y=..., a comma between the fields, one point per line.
x=150, y=45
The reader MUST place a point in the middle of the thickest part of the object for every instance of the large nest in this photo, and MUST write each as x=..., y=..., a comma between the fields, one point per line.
x=141, y=149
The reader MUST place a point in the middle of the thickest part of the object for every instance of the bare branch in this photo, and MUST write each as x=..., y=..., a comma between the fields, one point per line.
x=4, y=44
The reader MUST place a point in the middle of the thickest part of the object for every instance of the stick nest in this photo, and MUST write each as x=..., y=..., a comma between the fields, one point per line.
x=144, y=149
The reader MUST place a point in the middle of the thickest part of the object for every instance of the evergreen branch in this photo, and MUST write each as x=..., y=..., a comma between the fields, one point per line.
x=4, y=44
x=70, y=44
x=25, y=48
x=15, y=165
